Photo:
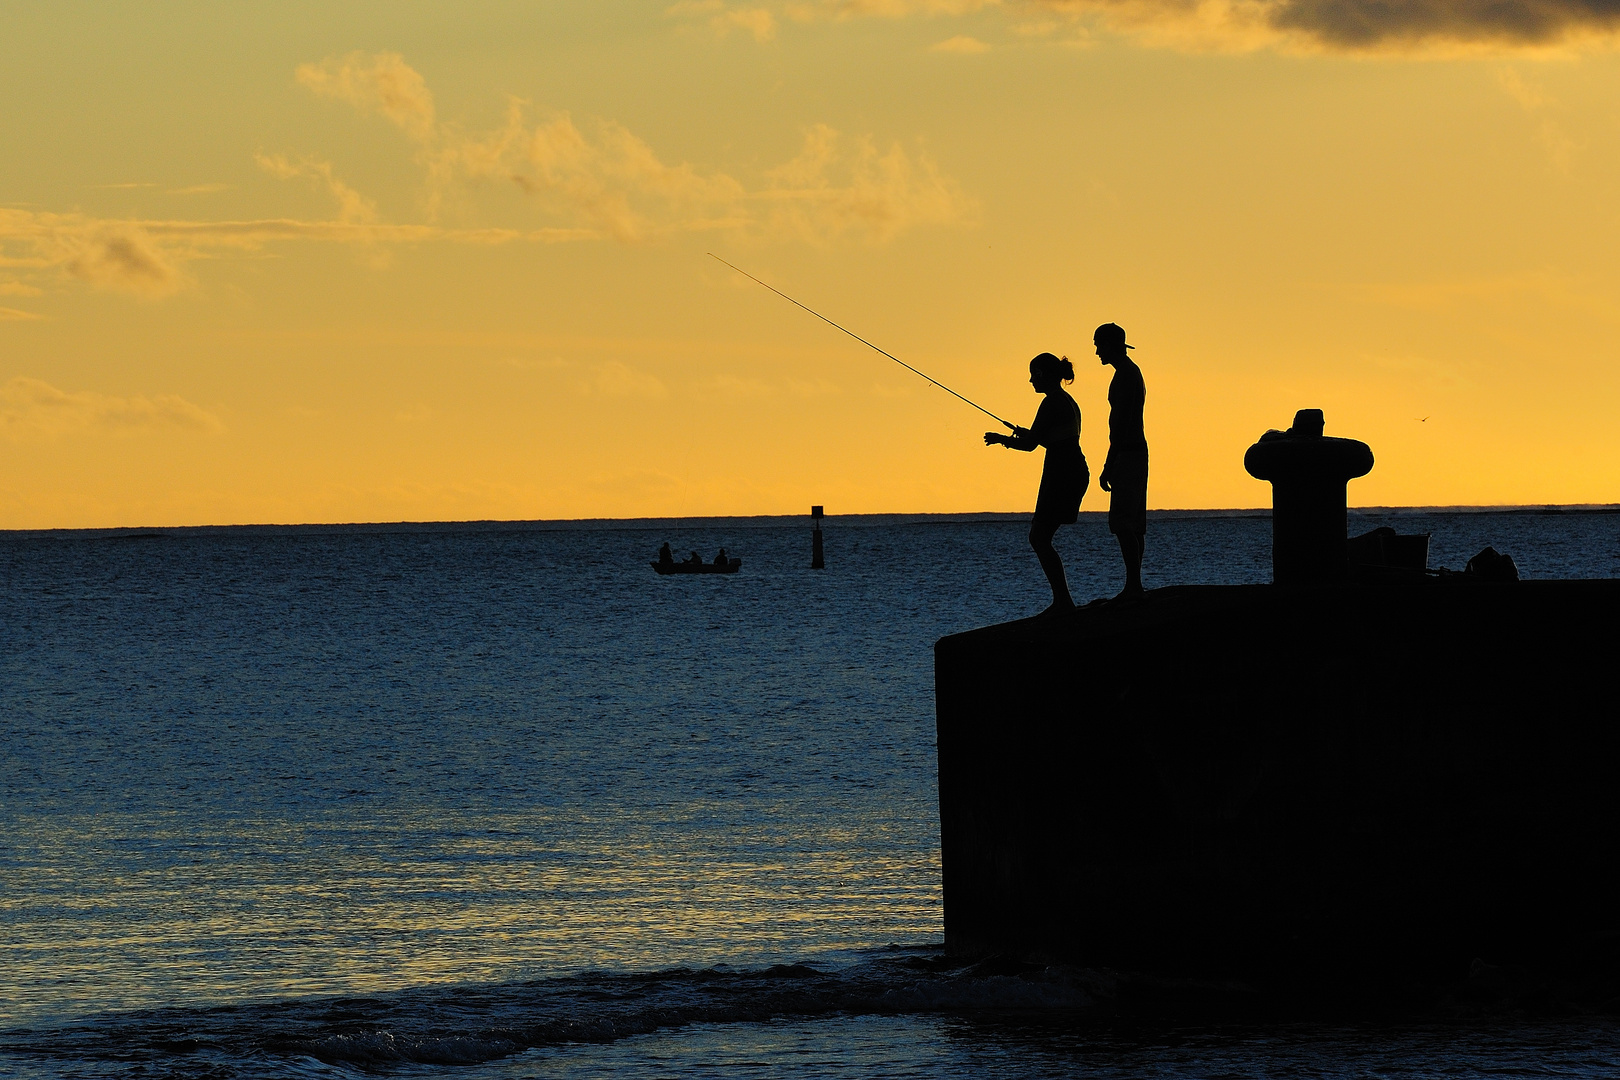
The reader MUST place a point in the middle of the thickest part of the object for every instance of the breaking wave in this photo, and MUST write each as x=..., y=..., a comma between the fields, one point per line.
x=469, y=1025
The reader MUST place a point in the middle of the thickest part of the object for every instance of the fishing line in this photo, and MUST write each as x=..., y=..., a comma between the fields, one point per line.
x=863, y=341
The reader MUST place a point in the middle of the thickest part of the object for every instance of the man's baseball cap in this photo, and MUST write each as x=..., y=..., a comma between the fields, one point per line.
x=1111, y=333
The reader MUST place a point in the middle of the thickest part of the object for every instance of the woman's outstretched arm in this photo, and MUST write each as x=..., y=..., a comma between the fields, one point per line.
x=1020, y=439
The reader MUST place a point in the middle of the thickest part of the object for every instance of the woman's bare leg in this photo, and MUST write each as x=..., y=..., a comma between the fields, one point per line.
x=1040, y=538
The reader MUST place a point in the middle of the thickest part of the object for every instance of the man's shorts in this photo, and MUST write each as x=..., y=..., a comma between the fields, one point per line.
x=1127, y=508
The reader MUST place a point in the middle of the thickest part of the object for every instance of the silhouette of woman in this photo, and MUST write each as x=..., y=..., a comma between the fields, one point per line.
x=1064, y=478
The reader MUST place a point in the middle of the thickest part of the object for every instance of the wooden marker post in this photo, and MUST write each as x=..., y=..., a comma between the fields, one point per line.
x=817, y=560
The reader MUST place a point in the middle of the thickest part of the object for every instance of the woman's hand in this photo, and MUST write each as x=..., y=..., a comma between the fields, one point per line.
x=992, y=438
x=1102, y=481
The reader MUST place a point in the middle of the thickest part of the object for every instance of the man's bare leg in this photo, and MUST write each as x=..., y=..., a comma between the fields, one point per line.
x=1131, y=546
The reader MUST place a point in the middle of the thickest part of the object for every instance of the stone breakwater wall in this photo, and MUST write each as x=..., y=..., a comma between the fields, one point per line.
x=1273, y=782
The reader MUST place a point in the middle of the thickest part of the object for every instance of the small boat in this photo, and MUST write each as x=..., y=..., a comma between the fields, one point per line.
x=729, y=567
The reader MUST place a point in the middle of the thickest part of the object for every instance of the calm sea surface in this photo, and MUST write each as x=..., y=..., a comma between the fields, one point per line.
x=498, y=801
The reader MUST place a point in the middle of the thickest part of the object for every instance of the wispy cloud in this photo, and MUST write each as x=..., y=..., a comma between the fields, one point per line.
x=11, y=314
x=806, y=10
x=536, y=363
x=33, y=408
x=107, y=253
x=352, y=206
x=1410, y=27
x=837, y=186
x=961, y=43
x=604, y=179
x=1538, y=290
x=733, y=386
x=1539, y=105
x=420, y=414
x=758, y=21
x=813, y=387
x=614, y=378
x=146, y=257
x=193, y=189
x=380, y=82
x=599, y=181
x=18, y=288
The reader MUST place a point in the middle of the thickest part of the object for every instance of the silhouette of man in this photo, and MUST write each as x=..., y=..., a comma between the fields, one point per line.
x=720, y=559
x=665, y=556
x=1125, y=474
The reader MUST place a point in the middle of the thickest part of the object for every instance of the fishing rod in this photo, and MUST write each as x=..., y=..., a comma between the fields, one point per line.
x=863, y=341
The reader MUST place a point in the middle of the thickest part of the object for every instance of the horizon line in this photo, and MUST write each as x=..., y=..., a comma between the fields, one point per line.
x=875, y=518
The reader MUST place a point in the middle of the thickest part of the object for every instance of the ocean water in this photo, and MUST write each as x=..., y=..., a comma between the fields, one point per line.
x=498, y=801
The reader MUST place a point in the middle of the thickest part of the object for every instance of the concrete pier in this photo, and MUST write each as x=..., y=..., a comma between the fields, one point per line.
x=1288, y=783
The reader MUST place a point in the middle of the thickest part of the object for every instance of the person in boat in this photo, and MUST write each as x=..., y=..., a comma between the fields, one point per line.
x=1064, y=478
x=666, y=557
x=721, y=560
x=695, y=558
x=1125, y=473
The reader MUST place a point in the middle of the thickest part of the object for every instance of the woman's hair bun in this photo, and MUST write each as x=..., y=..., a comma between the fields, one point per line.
x=1057, y=364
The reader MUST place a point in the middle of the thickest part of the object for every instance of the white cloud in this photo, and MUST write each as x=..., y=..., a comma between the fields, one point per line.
x=32, y=407
x=11, y=314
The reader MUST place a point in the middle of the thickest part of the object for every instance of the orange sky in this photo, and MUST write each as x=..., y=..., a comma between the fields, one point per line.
x=412, y=261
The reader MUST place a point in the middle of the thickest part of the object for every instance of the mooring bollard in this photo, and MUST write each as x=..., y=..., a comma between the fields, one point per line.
x=817, y=560
x=1309, y=473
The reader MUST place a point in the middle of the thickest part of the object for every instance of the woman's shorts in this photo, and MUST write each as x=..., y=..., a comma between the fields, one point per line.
x=1058, y=502
x=1127, y=508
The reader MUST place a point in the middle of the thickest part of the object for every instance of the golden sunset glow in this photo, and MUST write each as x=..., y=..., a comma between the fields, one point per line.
x=291, y=263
